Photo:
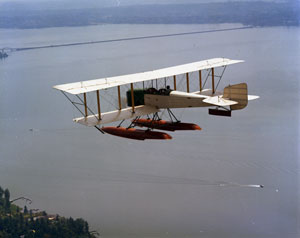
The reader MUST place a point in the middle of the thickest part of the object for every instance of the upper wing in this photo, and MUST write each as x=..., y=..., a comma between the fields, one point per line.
x=98, y=84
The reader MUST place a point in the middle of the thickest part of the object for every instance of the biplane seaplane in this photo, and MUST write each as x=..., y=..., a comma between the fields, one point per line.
x=148, y=100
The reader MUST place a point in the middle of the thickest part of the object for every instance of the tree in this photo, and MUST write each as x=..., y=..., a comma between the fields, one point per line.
x=21, y=220
x=86, y=227
x=6, y=194
x=1, y=197
x=6, y=200
x=1, y=192
x=25, y=210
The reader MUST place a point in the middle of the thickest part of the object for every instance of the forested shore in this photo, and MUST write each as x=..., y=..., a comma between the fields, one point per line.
x=246, y=13
x=16, y=222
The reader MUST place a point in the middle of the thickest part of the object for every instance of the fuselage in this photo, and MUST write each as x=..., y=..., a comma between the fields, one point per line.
x=178, y=99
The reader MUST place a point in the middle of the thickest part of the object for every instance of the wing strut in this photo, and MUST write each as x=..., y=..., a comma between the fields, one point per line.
x=74, y=103
x=213, y=80
x=200, y=80
x=85, y=105
x=98, y=105
x=119, y=97
x=132, y=97
x=99, y=129
x=174, y=78
x=187, y=83
x=171, y=115
x=213, y=76
x=220, y=77
x=206, y=78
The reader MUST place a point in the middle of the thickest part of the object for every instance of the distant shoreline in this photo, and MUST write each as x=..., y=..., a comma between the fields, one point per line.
x=256, y=14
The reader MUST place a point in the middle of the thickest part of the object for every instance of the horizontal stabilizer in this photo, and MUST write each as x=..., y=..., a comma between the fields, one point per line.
x=219, y=101
x=118, y=115
x=252, y=97
x=180, y=94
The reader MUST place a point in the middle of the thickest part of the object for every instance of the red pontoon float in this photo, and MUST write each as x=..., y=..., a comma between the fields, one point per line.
x=136, y=134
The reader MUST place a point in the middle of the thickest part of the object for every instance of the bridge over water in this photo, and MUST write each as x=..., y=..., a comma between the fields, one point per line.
x=9, y=50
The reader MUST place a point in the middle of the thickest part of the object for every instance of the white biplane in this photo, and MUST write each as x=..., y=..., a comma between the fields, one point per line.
x=148, y=101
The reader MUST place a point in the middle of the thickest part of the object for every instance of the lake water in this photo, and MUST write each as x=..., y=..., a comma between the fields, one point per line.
x=127, y=188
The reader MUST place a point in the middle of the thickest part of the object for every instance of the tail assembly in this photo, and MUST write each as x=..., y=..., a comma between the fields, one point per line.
x=238, y=93
x=235, y=96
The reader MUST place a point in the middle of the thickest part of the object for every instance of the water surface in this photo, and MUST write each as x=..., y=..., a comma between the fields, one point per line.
x=144, y=189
